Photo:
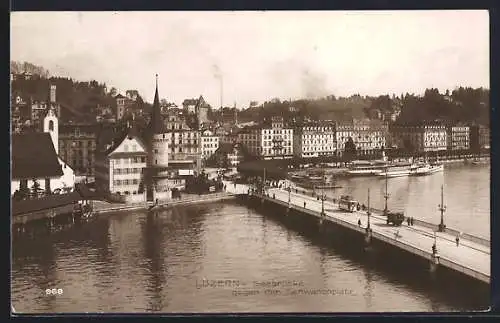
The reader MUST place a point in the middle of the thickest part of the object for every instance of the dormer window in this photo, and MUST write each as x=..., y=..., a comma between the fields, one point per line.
x=51, y=125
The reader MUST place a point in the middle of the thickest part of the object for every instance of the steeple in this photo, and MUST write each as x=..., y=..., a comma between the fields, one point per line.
x=156, y=124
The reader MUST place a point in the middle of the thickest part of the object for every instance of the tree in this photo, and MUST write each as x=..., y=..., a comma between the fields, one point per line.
x=113, y=92
x=349, y=150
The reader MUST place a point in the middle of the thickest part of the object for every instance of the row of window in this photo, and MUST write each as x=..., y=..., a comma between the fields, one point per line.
x=121, y=171
x=130, y=160
x=210, y=145
x=118, y=182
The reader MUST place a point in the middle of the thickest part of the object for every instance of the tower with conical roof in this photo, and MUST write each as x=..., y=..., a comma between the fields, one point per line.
x=158, y=151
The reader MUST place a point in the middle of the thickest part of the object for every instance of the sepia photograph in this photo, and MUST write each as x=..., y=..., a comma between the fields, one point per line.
x=250, y=161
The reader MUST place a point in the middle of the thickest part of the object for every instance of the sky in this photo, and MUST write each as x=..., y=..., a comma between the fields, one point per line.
x=260, y=55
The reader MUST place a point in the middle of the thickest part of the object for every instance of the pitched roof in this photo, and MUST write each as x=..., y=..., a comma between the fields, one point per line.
x=131, y=132
x=119, y=96
x=34, y=156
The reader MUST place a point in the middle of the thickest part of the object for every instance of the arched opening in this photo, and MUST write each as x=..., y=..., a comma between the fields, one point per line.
x=51, y=125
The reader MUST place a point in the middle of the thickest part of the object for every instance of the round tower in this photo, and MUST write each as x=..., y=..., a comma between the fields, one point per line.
x=51, y=125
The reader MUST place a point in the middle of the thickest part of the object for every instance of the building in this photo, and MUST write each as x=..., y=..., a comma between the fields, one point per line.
x=120, y=168
x=369, y=136
x=314, y=140
x=209, y=144
x=77, y=145
x=422, y=137
x=120, y=106
x=270, y=141
x=479, y=137
x=458, y=137
x=34, y=159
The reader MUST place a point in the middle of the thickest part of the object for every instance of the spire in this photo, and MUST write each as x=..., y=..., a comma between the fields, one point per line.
x=156, y=124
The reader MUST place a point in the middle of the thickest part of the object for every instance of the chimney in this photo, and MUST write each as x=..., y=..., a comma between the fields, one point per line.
x=52, y=93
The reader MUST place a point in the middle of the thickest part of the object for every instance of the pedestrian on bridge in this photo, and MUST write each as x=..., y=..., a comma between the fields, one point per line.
x=359, y=222
x=457, y=240
x=304, y=204
x=408, y=220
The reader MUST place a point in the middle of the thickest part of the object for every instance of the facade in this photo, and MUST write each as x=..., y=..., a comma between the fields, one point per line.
x=369, y=136
x=121, y=167
x=314, y=140
x=272, y=141
x=120, y=106
x=420, y=137
x=458, y=137
x=77, y=145
x=209, y=144
x=479, y=137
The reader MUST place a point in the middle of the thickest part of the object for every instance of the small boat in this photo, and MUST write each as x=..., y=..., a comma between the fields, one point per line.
x=426, y=169
x=397, y=170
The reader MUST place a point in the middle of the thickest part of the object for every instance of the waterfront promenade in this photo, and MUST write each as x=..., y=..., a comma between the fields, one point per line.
x=471, y=256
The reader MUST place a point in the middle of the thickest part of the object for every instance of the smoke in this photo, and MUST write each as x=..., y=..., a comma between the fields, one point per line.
x=313, y=84
x=216, y=71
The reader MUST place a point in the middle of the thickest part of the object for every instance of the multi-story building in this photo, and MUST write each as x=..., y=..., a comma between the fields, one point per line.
x=369, y=136
x=120, y=106
x=314, y=140
x=209, y=144
x=120, y=168
x=270, y=141
x=458, y=137
x=77, y=144
x=184, y=143
x=421, y=137
x=343, y=131
x=479, y=137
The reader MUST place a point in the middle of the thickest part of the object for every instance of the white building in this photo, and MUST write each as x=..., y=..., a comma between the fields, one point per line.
x=34, y=159
x=119, y=170
x=314, y=140
x=273, y=141
x=209, y=144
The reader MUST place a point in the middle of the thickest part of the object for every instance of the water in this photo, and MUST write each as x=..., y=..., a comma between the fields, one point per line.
x=466, y=196
x=132, y=262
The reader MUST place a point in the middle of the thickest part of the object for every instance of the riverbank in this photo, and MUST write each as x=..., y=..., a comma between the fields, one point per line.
x=105, y=207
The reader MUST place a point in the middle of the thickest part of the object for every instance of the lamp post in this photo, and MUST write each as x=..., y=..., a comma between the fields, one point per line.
x=289, y=189
x=386, y=195
x=442, y=208
x=368, y=210
x=323, y=197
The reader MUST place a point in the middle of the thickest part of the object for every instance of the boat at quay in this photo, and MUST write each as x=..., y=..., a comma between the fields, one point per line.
x=366, y=168
x=397, y=170
x=426, y=169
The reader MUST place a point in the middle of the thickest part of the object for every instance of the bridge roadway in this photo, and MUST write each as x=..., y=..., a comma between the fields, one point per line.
x=469, y=257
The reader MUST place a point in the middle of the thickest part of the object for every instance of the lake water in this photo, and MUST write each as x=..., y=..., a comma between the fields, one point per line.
x=135, y=262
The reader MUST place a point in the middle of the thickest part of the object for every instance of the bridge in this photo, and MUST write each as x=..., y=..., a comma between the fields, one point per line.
x=470, y=257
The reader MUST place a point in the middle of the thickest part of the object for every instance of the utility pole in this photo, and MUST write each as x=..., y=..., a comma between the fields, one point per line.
x=442, y=208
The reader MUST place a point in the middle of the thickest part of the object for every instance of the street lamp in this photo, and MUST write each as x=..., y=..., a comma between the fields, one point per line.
x=323, y=198
x=368, y=210
x=442, y=208
x=289, y=189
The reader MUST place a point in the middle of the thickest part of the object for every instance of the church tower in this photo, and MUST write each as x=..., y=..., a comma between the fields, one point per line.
x=51, y=125
x=50, y=122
